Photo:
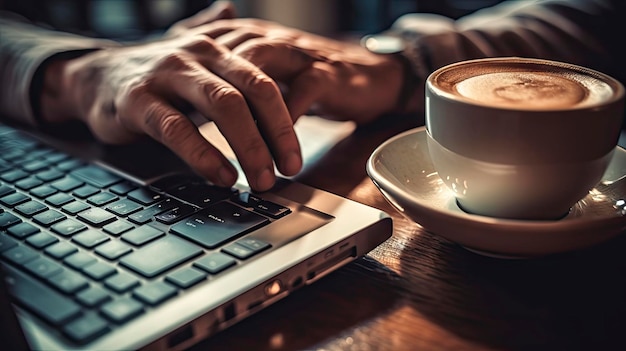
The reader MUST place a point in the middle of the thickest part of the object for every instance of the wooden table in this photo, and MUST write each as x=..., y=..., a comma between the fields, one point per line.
x=418, y=291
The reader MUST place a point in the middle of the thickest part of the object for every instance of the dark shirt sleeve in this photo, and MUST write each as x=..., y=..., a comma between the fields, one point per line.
x=583, y=32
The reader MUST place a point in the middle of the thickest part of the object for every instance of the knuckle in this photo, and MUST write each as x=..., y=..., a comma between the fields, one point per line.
x=283, y=131
x=204, y=45
x=262, y=87
x=137, y=92
x=170, y=128
x=173, y=61
x=256, y=50
x=225, y=98
x=256, y=150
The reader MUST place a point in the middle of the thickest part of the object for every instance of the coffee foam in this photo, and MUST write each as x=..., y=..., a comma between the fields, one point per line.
x=524, y=85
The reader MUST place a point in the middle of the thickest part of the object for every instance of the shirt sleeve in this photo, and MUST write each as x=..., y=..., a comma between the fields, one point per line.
x=23, y=49
x=583, y=32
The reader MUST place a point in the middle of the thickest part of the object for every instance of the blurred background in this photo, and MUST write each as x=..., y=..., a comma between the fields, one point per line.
x=133, y=19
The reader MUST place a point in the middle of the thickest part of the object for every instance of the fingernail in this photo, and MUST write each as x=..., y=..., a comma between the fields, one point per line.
x=227, y=177
x=265, y=180
x=293, y=163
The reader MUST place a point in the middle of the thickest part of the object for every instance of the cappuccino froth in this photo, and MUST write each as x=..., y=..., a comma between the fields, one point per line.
x=525, y=87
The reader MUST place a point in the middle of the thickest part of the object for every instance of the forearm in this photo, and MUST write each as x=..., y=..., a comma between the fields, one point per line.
x=24, y=48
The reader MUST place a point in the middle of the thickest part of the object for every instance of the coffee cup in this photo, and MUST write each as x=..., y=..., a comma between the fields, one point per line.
x=521, y=138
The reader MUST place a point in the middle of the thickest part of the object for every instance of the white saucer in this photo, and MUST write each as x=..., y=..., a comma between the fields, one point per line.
x=402, y=170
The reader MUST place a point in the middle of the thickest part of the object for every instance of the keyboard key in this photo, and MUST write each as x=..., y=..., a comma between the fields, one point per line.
x=49, y=175
x=201, y=194
x=118, y=227
x=255, y=245
x=121, y=282
x=56, y=157
x=79, y=260
x=174, y=180
x=215, y=262
x=5, y=189
x=99, y=270
x=102, y=199
x=96, y=216
x=68, y=282
x=43, y=267
x=68, y=227
x=142, y=235
x=154, y=293
x=113, y=250
x=41, y=240
x=75, y=207
x=122, y=188
x=122, y=310
x=20, y=254
x=59, y=199
x=90, y=238
x=60, y=250
x=28, y=183
x=43, y=191
x=40, y=299
x=6, y=243
x=14, y=199
x=236, y=250
x=13, y=176
x=175, y=214
x=69, y=164
x=85, y=191
x=124, y=207
x=145, y=196
x=8, y=219
x=30, y=208
x=93, y=296
x=146, y=215
x=35, y=166
x=186, y=277
x=96, y=176
x=86, y=328
x=264, y=207
x=22, y=230
x=48, y=217
x=66, y=184
x=218, y=224
x=160, y=256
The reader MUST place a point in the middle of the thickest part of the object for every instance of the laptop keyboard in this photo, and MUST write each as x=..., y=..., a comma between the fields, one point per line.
x=86, y=250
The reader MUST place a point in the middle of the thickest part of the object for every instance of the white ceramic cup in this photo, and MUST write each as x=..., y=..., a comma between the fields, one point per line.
x=521, y=138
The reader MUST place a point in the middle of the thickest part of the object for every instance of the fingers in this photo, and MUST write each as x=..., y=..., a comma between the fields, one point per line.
x=168, y=126
x=278, y=58
x=227, y=88
x=309, y=77
x=234, y=38
x=254, y=91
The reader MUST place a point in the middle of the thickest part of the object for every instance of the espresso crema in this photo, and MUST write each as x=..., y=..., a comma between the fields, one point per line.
x=526, y=86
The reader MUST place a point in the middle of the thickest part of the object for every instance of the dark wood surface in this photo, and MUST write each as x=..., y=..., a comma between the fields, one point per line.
x=418, y=291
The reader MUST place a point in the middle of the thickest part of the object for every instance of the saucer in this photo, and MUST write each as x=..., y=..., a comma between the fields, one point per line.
x=402, y=170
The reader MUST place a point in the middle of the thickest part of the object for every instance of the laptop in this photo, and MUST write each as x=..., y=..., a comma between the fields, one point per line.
x=118, y=248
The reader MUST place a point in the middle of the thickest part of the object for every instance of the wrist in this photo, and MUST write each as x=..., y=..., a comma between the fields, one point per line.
x=412, y=67
x=52, y=92
x=53, y=100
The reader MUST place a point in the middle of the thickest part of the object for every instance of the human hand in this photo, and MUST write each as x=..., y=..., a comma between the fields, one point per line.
x=125, y=92
x=336, y=79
